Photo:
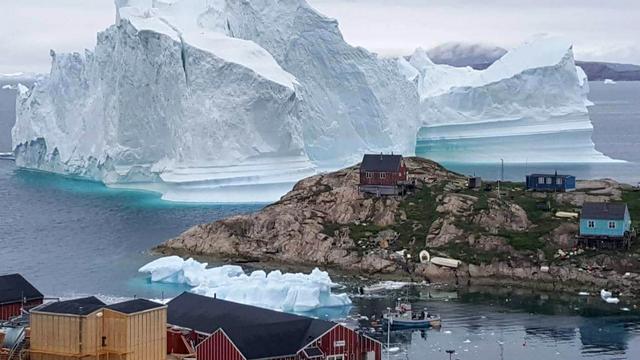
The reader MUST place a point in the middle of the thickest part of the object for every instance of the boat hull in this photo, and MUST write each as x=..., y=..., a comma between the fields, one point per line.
x=413, y=324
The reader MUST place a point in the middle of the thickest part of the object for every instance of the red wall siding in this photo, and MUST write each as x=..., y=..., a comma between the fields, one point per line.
x=390, y=179
x=355, y=348
x=217, y=347
x=8, y=311
x=176, y=341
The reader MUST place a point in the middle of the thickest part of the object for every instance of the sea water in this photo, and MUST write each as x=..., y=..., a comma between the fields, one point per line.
x=74, y=238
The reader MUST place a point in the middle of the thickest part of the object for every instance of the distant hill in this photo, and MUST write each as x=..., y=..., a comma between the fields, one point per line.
x=481, y=56
x=614, y=71
x=478, y=56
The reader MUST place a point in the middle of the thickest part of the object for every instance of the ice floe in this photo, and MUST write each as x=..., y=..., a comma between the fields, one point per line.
x=293, y=292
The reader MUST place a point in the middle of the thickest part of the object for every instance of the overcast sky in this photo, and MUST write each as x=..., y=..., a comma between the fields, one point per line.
x=600, y=29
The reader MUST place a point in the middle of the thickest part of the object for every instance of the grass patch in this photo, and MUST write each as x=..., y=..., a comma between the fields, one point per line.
x=523, y=240
x=632, y=198
x=420, y=210
x=466, y=253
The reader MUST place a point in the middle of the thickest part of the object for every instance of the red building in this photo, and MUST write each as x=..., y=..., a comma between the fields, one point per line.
x=16, y=293
x=382, y=174
x=232, y=331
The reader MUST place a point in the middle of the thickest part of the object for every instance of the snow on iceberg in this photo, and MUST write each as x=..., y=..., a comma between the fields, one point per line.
x=234, y=101
x=275, y=290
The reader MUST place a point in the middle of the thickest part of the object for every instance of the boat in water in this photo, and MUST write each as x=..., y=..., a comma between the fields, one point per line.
x=403, y=317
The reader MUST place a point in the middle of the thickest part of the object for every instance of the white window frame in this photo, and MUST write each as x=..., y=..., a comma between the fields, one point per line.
x=368, y=174
x=559, y=181
x=612, y=224
x=383, y=175
x=540, y=180
x=591, y=224
x=335, y=357
x=549, y=180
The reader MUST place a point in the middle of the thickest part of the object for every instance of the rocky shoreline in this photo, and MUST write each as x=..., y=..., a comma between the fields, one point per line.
x=501, y=238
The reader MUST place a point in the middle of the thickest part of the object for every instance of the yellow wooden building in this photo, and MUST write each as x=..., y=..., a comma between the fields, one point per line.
x=88, y=329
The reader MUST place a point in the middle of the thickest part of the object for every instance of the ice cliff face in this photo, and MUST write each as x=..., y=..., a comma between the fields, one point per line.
x=530, y=105
x=203, y=100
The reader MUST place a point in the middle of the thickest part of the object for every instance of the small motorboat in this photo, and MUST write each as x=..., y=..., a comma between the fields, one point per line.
x=403, y=317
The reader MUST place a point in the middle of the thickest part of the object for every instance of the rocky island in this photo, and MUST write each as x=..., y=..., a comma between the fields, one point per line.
x=500, y=234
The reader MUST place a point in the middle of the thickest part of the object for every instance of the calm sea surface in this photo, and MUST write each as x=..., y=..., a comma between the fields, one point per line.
x=74, y=237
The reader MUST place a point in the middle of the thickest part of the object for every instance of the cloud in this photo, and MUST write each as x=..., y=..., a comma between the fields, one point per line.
x=605, y=31
x=600, y=30
x=29, y=28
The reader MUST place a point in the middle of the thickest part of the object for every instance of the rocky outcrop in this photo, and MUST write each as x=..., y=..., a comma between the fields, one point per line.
x=325, y=220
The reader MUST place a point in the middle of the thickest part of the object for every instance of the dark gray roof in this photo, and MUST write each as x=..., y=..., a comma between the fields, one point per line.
x=82, y=306
x=258, y=333
x=381, y=162
x=603, y=211
x=551, y=175
x=14, y=288
x=135, y=306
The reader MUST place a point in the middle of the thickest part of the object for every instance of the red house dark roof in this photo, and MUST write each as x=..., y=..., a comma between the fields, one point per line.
x=381, y=163
x=257, y=333
x=14, y=288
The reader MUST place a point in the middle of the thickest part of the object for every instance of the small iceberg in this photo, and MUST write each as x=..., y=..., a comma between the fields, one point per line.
x=609, y=81
x=608, y=297
x=583, y=293
x=384, y=286
x=291, y=292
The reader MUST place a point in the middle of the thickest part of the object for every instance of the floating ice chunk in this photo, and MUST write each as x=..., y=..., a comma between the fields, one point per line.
x=609, y=81
x=7, y=87
x=607, y=296
x=604, y=294
x=274, y=290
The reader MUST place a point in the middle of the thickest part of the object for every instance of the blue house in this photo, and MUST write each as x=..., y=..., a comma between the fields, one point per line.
x=551, y=182
x=607, y=220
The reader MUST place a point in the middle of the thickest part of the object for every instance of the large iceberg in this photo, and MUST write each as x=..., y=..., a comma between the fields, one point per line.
x=234, y=101
x=285, y=292
x=528, y=106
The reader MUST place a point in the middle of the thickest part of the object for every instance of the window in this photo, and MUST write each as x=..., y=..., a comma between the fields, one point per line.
x=591, y=224
x=559, y=181
x=549, y=181
x=368, y=175
x=383, y=175
x=612, y=224
x=540, y=180
x=335, y=357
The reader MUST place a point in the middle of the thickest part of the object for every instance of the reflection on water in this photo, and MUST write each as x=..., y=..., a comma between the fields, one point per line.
x=490, y=323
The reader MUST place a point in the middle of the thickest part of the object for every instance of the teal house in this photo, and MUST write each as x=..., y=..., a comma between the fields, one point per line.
x=606, y=220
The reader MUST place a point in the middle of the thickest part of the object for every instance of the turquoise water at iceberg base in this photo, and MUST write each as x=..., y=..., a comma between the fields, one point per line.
x=75, y=238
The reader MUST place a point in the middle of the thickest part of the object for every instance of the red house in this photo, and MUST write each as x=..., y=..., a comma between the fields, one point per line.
x=231, y=331
x=16, y=293
x=382, y=174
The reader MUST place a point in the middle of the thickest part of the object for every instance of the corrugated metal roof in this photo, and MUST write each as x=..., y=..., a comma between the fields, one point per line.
x=258, y=333
x=381, y=162
x=14, y=288
x=603, y=211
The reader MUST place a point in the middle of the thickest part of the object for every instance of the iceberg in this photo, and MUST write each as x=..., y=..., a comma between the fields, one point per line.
x=235, y=101
x=274, y=290
x=528, y=106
